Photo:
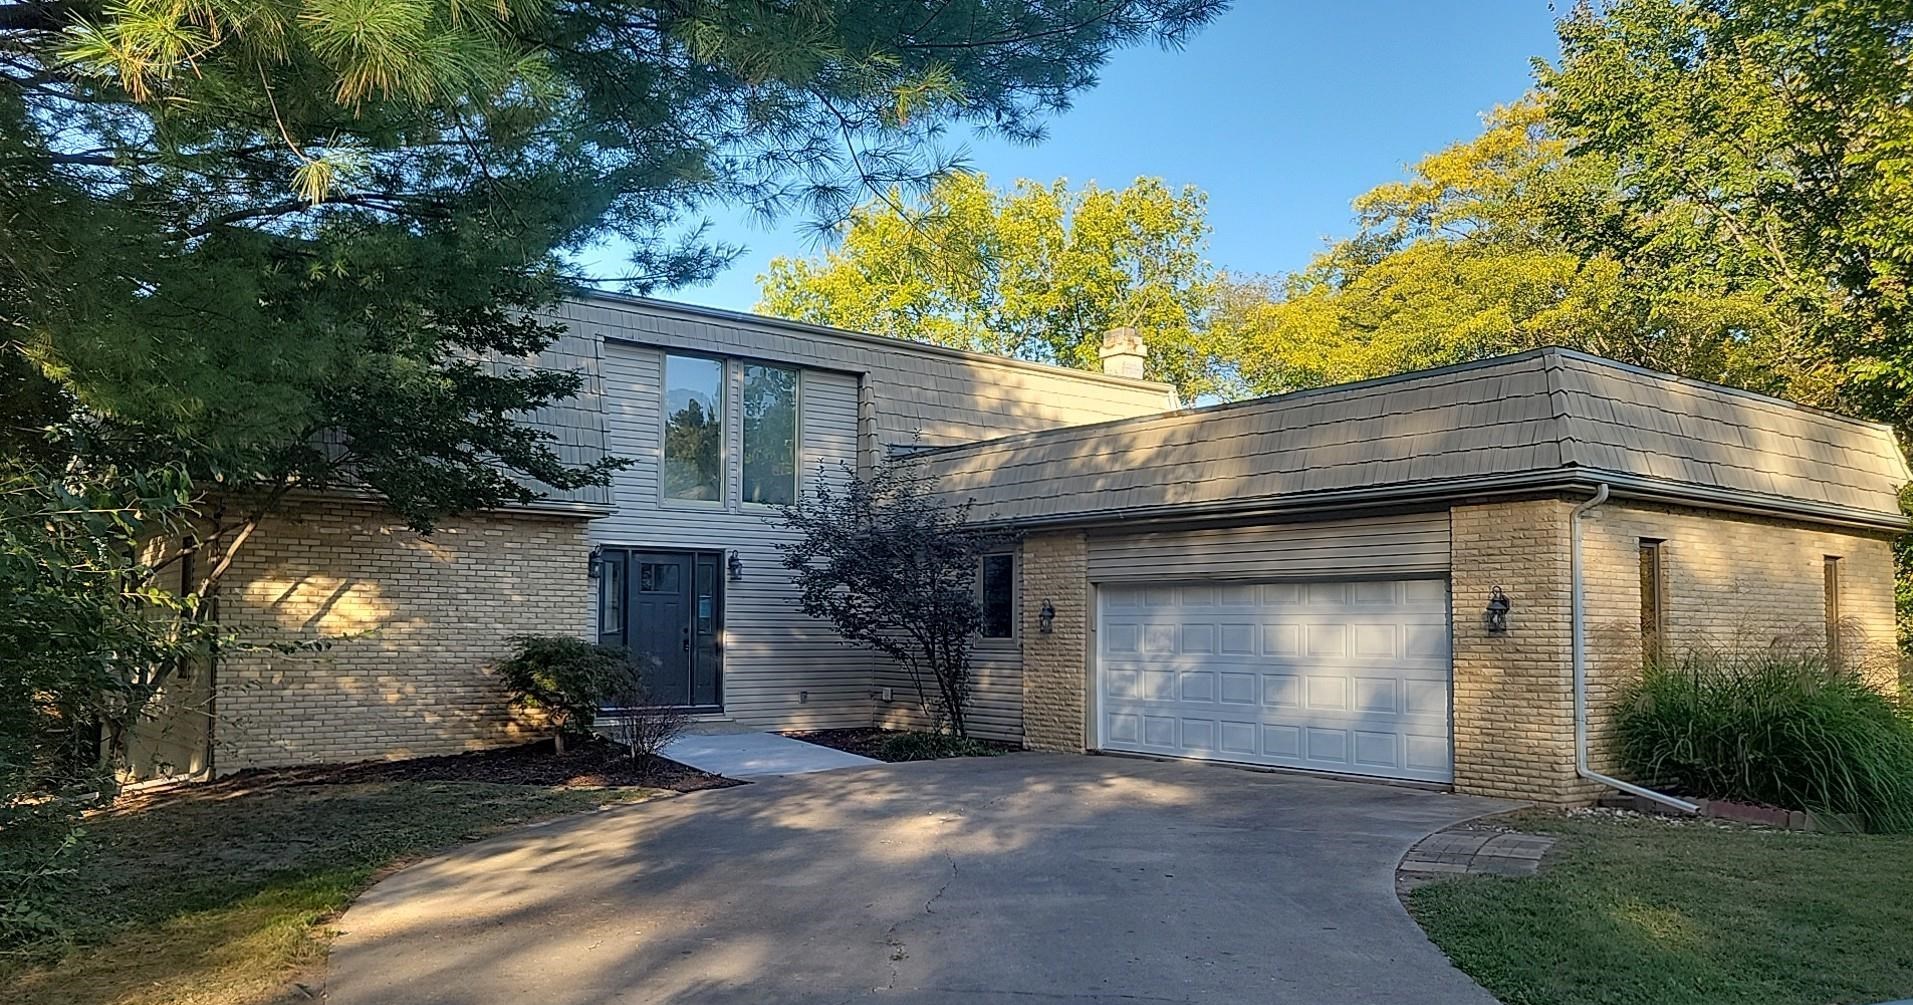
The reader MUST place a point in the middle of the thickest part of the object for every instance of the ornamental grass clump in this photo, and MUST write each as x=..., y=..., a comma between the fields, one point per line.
x=1776, y=727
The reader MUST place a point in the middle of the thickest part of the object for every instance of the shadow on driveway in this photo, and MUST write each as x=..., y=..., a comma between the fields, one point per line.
x=1023, y=878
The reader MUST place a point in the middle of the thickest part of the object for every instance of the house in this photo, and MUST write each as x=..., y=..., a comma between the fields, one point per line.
x=725, y=415
x=1299, y=581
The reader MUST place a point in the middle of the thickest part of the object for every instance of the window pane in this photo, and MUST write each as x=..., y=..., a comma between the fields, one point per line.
x=1653, y=613
x=770, y=435
x=999, y=596
x=611, y=597
x=693, y=428
x=658, y=577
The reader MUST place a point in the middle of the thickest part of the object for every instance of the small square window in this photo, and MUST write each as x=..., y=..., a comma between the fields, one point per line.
x=998, y=584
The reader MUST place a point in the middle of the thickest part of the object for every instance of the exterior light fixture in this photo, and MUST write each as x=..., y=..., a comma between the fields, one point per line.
x=594, y=566
x=1046, y=618
x=1496, y=617
x=736, y=567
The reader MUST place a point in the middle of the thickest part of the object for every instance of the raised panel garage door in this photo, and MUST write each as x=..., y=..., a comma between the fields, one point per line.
x=1347, y=676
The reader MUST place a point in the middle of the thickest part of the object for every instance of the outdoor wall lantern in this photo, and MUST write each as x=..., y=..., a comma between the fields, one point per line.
x=594, y=567
x=1046, y=618
x=736, y=567
x=1497, y=616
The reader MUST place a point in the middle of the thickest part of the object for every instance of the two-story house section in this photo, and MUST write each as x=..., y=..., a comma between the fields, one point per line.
x=728, y=415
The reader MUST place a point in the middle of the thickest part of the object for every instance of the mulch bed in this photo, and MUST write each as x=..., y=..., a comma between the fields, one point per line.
x=869, y=742
x=589, y=763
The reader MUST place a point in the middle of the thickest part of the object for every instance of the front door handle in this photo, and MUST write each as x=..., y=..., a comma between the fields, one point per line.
x=687, y=640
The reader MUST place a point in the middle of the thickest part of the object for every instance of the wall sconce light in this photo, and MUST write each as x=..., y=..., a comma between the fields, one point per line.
x=1496, y=617
x=1046, y=618
x=594, y=566
x=736, y=567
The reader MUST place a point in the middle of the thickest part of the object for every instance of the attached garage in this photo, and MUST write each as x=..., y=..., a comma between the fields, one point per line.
x=1305, y=581
x=1348, y=676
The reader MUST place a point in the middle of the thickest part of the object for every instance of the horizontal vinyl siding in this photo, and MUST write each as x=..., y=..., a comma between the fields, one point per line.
x=1407, y=544
x=996, y=696
x=772, y=653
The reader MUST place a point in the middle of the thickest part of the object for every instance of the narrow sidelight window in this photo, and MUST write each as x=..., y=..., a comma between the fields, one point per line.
x=1832, y=573
x=611, y=599
x=770, y=435
x=1653, y=601
x=998, y=583
x=693, y=429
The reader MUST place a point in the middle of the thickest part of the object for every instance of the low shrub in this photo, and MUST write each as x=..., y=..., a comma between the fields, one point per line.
x=565, y=679
x=931, y=746
x=41, y=845
x=644, y=725
x=1775, y=727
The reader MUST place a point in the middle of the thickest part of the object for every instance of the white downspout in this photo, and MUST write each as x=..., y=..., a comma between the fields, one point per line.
x=1578, y=619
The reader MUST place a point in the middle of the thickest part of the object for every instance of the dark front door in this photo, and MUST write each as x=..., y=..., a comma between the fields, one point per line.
x=664, y=607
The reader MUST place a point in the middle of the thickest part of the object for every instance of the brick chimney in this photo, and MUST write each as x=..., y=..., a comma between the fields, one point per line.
x=1123, y=353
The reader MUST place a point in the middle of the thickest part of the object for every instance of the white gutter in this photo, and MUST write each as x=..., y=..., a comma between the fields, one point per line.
x=1578, y=616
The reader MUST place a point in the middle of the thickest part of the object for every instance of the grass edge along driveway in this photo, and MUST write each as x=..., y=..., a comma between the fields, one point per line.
x=215, y=897
x=1684, y=912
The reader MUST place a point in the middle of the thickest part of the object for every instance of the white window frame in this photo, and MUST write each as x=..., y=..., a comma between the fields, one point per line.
x=665, y=499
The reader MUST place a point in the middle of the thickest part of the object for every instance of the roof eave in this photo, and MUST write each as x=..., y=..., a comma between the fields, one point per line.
x=1571, y=479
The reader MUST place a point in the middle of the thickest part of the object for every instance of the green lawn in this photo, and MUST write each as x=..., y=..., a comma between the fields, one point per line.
x=221, y=896
x=1637, y=910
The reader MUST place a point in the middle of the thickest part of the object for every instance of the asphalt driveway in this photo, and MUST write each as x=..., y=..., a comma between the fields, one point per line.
x=1024, y=878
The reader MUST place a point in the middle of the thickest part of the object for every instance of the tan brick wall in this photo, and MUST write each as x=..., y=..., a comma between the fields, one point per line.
x=427, y=615
x=1513, y=700
x=1055, y=568
x=1731, y=582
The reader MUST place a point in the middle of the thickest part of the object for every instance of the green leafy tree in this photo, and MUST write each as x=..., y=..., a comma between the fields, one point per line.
x=1763, y=147
x=1468, y=258
x=1036, y=272
x=88, y=630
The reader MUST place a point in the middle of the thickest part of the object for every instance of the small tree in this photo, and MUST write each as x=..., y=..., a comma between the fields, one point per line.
x=893, y=568
x=566, y=679
x=640, y=722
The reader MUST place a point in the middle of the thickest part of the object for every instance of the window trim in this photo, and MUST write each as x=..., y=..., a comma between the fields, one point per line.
x=665, y=499
x=796, y=433
x=1653, y=603
x=1016, y=589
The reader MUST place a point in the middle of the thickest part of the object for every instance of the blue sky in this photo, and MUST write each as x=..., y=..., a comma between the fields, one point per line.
x=1282, y=111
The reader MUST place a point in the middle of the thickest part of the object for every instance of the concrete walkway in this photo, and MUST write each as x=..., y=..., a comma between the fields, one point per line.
x=1022, y=879
x=758, y=755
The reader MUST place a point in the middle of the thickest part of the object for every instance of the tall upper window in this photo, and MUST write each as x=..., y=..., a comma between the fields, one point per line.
x=998, y=588
x=770, y=435
x=693, y=428
x=1653, y=601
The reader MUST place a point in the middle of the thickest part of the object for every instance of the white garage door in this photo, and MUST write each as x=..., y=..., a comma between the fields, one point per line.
x=1336, y=676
